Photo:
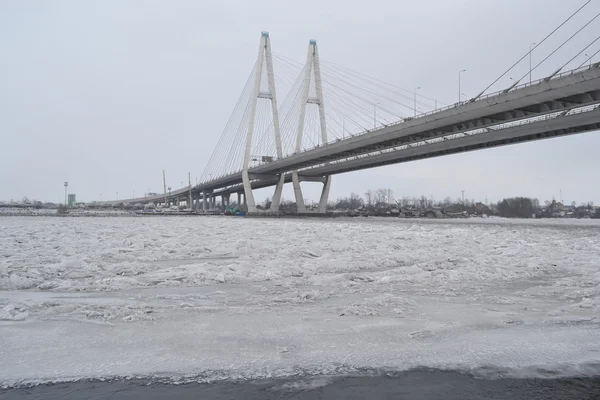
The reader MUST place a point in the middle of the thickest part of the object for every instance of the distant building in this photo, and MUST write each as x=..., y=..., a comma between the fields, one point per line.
x=71, y=200
x=481, y=209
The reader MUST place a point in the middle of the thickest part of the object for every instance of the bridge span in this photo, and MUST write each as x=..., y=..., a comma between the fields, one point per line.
x=558, y=105
x=566, y=104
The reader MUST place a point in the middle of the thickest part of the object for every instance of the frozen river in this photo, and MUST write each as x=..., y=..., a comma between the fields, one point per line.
x=212, y=298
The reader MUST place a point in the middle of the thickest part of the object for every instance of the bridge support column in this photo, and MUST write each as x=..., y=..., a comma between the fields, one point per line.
x=276, y=201
x=239, y=199
x=325, y=195
x=264, y=57
x=300, y=207
x=204, y=201
x=312, y=65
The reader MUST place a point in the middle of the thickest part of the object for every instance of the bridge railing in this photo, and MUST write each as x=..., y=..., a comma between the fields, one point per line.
x=537, y=81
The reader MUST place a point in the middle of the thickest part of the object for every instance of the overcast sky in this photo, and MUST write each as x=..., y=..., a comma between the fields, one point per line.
x=107, y=94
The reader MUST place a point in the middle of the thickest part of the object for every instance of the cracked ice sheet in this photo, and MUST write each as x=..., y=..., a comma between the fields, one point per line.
x=216, y=297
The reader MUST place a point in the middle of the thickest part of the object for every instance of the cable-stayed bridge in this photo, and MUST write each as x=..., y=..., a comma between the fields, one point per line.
x=334, y=120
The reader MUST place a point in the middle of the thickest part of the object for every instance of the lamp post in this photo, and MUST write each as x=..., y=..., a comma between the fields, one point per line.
x=375, y=115
x=415, y=100
x=459, y=91
x=530, y=47
x=66, y=184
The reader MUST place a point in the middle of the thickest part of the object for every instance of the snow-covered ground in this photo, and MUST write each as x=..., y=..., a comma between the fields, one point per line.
x=218, y=297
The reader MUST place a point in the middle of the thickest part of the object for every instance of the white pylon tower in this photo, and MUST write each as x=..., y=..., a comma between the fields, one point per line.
x=264, y=54
x=313, y=68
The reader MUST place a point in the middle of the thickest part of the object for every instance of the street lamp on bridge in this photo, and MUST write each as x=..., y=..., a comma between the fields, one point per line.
x=530, y=50
x=459, y=91
x=415, y=98
x=375, y=115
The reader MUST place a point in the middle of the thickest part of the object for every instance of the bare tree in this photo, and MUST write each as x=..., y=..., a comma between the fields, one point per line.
x=355, y=201
x=380, y=198
x=369, y=197
x=390, y=197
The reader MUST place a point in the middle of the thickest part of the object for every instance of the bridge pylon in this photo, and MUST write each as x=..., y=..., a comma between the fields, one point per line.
x=264, y=57
x=311, y=69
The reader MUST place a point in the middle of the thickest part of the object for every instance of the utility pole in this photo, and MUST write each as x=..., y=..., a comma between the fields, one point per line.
x=561, y=198
x=190, y=186
x=463, y=199
x=165, y=187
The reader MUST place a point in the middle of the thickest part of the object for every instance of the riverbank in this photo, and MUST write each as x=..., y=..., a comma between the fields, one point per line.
x=409, y=385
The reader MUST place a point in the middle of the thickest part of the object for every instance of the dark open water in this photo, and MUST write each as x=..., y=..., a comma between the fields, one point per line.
x=410, y=385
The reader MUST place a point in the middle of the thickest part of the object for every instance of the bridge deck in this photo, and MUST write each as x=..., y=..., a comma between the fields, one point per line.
x=546, y=108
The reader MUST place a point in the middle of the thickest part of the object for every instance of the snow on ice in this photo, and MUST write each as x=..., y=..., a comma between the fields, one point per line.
x=216, y=297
